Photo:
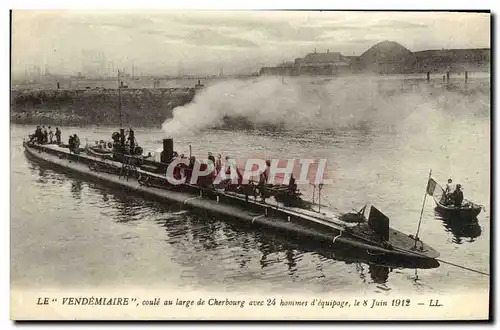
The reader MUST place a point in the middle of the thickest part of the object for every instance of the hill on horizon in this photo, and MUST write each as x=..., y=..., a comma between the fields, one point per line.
x=387, y=57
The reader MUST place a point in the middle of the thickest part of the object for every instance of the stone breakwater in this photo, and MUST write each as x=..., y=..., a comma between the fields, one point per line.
x=98, y=106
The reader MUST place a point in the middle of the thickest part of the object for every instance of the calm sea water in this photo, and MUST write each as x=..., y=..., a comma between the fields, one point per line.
x=66, y=232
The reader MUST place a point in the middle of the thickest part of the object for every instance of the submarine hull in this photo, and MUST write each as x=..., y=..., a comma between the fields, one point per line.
x=260, y=217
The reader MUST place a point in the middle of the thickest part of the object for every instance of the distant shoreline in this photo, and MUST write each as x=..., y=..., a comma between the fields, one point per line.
x=150, y=107
x=89, y=106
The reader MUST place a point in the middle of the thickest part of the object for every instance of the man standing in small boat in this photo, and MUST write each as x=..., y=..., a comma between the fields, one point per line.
x=450, y=188
x=458, y=196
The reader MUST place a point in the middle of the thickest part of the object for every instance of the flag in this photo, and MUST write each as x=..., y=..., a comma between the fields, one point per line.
x=431, y=187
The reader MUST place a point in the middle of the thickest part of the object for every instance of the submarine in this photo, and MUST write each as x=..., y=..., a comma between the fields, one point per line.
x=366, y=230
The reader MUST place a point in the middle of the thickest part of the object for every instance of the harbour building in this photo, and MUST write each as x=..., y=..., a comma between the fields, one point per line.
x=327, y=63
x=386, y=57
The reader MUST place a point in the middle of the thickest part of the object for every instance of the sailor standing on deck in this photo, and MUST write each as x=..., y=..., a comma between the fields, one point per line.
x=76, y=143
x=233, y=171
x=39, y=135
x=263, y=180
x=211, y=164
x=131, y=139
x=51, y=135
x=264, y=176
x=71, y=143
x=58, y=136
x=218, y=164
x=292, y=186
x=211, y=158
x=45, y=135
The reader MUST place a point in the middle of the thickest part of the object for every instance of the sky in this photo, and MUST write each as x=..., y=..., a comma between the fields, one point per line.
x=204, y=42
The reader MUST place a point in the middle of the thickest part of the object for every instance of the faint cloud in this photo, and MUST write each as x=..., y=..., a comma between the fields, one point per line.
x=211, y=37
x=397, y=24
x=215, y=38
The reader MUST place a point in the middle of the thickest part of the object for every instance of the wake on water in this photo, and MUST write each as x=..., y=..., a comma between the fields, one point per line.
x=354, y=102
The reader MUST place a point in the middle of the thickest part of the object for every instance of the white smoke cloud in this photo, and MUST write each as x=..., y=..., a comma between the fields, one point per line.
x=365, y=102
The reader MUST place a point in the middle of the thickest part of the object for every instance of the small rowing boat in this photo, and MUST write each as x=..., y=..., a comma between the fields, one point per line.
x=467, y=210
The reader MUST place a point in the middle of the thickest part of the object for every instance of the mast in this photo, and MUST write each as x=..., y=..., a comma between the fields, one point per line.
x=120, y=99
x=283, y=73
x=320, y=186
x=422, y=211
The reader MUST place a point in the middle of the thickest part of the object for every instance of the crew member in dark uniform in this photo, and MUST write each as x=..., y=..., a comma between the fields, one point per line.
x=45, y=135
x=189, y=172
x=51, y=135
x=218, y=164
x=263, y=180
x=292, y=186
x=58, y=136
x=458, y=196
x=76, y=144
x=131, y=140
x=264, y=176
x=211, y=164
x=38, y=135
x=71, y=143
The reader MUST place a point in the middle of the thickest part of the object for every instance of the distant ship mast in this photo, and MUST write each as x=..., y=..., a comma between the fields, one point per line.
x=283, y=74
x=120, y=99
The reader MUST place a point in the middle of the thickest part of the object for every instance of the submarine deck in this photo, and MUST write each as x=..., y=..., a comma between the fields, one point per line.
x=296, y=224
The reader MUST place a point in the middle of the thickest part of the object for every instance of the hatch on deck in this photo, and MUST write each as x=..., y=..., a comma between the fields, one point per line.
x=379, y=222
x=376, y=220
